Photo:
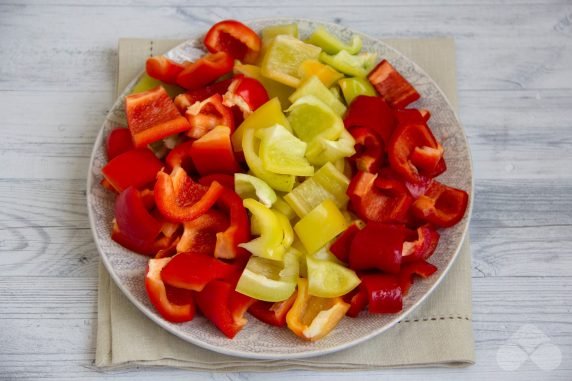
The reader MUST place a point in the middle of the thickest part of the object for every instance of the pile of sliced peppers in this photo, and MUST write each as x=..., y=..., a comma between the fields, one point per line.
x=278, y=176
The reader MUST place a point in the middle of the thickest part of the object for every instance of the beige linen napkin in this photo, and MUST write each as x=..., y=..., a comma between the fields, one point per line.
x=438, y=333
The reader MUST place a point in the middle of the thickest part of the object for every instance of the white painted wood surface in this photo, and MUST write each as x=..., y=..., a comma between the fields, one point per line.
x=57, y=65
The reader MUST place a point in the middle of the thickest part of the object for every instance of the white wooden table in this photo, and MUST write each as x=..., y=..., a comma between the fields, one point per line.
x=57, y=70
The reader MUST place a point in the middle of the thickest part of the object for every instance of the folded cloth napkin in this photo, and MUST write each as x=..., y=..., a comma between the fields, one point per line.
x=438, y=333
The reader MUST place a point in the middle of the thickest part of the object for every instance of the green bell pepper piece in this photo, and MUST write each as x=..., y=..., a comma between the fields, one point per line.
x=355, y=66
x=313, y=86
x=331, y=44
x=353, y=87
x=247, y=186
x=269, y=243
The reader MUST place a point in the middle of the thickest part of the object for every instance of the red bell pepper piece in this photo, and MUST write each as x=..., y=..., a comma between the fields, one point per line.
x=245, y=93
x=421, y=268
x=426, y=114
x=193, y=271
x=208, y=114
x=369, y=150
x=180, y=199
x=163, y=69
x=372, y=113
x=180, y=156
x=157, y=293
x=378, y=246
x=118, y=141
x=422, y=247
x=383, y=292
x=391, y=85
x=199, y=235
x=149, y=248
x=136, y=168
x=239, y=229
x=133, y=219
x=272, y=313
x=224, y=307
x=213, y=152
x=185, y=100
x=404, y=141
x=223, y=179
x=409, y=116
x=342, y=245
x=358, y=301
x=441, y=205
x=152, y=116
x=205, y=70
x=234, y=38
x=379, y=199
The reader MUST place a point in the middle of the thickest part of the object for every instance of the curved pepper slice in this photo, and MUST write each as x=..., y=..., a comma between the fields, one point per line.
x=352, y=65
x=331, y=44
x=391, y=85
x=373, y=113
x=383, y=292
x=314, y=86
x=147, y=248
x=378, y=246
x=224, y=307
x=320, y=226
x=193, y=271
x=247, y=186
x=441, y=205
x=272, y=313
x=369, y=155
x=354, y=87
x=420, y=268
x=213, y=153
x=238, y=231
x=246, y=93
x=268, y=244
x=421, y=248
x=199, y=235
x=313, y=317
x=320, y=150
x=205, y=70
x=206, y=115
x=380, y=199
x=180, y=156
x=158, y=294
x=163, y=69
x=234, y=38
x=189, y=98
x=180, y=199
x=329, y=279
x=133, y=219
x=118, y=141
x=136, y=168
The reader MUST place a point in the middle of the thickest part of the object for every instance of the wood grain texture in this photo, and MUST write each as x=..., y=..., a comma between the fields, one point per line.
x=56, y=83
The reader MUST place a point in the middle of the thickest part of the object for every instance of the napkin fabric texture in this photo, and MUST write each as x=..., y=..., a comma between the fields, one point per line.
x=438, y=333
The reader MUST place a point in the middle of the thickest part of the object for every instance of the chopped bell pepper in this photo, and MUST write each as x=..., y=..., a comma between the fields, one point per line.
x=441, y=205
x=224, y=307
x=180, y=156
x=269, y=280
x=283, y=153
x=163, y=69
x=327, y=74
x=223, y=179
x=391, y=85
x=311, y=118
x=247, y=186
x=357, y=300
x=354, y=87
x=213, y=153
x=383, y=292
x=379, y=199
x=328, y=183
x=180, y=199
x=369, y=155
x=193, y=270
x=189, y=98
x=372, y=113
x=283, y=56
x=199, y=235
x=148, y=248
x=246, y=93
x=273, y=88
x=421, y=268
x=205, y=70
x=331, y=44
x=238, y=232
x=322, y=150
x=272, y=31
x=342, y=245
x=329, y=279
x=146, y=82
x=377, y=246
x=313, y=86
x=422, y=247
x=272, y=313
x=282, y=207
x=152, y=116
x=313, y=317
x=205, y=115
x=136, y=168
x=320, y=226
x=269, y=243
x=352, y=65
x=234, y=38
x=118, y=141
x=158, y=295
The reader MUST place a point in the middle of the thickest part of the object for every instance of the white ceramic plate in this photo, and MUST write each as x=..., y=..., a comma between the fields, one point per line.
x=258, y=340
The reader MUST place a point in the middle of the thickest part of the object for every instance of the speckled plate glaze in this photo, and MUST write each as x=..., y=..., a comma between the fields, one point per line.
x=258, y=340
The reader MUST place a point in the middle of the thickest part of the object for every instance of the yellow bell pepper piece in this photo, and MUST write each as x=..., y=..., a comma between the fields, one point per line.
x=313, y=317
x=329, y=279
x=272, y=31
x=320, y=226
x=269, y=243
x=247, y=186
x=331, y=44
x=313, y=86
x=322, y=150
x=311, y=118
x=327, y=74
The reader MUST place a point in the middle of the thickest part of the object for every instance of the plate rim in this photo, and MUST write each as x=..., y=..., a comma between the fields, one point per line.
x=307, y=354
